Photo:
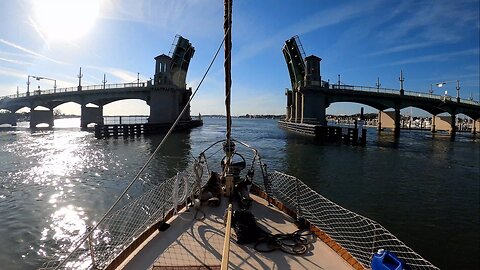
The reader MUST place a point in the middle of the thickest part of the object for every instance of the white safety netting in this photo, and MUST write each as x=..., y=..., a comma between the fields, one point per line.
x=359, y=235
x=97, y=249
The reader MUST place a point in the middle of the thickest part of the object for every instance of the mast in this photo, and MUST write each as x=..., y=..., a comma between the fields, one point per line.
x=227, y=26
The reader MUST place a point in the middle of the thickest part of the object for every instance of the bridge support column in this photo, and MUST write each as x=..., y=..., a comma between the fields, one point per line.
x=432, y=128
x=91, y=115
x=165, y=106
x=379, y=121
x=8, y=118
x=453, y=126
x=41, y=117
x=313, y=106
x=298, y=107
x=475, y=123
x=397, y=119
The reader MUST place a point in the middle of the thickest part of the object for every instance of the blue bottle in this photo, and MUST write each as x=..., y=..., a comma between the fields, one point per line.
x=386, y=260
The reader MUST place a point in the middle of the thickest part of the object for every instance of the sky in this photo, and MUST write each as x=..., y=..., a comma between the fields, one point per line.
x=431, y=41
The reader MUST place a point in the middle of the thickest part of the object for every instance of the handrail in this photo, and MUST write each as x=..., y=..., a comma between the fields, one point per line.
x=83, y=88
x=396, y=92
x=226, y=242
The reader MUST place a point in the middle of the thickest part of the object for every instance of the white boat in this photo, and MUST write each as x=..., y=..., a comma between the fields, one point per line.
x=174, y=225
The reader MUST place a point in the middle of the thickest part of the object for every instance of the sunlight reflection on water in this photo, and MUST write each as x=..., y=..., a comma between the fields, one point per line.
x=55, y=183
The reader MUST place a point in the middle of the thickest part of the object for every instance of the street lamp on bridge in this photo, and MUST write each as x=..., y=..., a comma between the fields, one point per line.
x=441, y=84
x=38, y=78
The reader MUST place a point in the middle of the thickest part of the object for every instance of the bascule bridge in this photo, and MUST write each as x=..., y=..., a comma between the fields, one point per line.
x=309, y=97
x=166, y=94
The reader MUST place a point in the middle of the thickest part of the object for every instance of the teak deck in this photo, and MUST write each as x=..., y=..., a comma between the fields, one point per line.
x=193, y=244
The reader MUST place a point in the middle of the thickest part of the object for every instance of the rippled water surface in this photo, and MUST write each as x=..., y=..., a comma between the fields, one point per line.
x=424, y=189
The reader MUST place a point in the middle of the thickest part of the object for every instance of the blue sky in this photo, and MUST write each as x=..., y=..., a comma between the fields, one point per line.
x=431, y=41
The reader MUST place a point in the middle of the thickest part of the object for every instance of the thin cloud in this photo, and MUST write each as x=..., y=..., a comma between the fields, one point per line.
x=331, y=17
x=431, y=21
x=22, y=75
x=401, y=48
x=324, y=18
x=13, y=61
x=435, y=57
x=124, y=75
x=12, y=73
x=37, y=29
x=18, y=47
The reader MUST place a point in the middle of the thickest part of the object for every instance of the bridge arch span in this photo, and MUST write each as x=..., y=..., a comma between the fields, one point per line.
x=40, y=107
x=364, y=101
x=475, y=115
x=69, y=108
x=348, y=108
x=127, y=107
x=107, y=99
x=408, y=111
x=434, y=110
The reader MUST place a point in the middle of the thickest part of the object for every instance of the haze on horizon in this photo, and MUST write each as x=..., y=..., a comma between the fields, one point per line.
x=431, y=41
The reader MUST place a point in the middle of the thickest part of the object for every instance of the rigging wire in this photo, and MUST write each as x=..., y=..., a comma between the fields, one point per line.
x=137, y=176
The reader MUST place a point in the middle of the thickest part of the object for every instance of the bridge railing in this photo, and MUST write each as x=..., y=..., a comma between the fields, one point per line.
x=470, y=101
x=425, y=95
x=125, y=119
x=397, y=92
x=363, y=88
x=75, y=88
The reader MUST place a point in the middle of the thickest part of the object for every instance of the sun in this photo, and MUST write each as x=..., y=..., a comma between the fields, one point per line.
x=64, y=20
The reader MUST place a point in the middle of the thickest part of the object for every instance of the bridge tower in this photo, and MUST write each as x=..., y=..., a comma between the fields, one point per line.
x=162, y=70
x=305, y=104
x=169, y=94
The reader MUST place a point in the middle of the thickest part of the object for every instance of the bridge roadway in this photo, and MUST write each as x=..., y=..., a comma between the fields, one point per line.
x=311, y=102
x=163, y=101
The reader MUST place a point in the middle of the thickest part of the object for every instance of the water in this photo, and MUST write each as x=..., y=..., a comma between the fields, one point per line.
x=424, y=189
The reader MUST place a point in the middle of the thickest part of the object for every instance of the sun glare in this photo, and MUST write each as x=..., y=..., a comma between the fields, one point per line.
x=65, y=20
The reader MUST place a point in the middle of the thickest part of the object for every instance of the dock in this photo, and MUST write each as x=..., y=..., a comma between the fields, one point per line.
x=138, y=129
x=334, y=134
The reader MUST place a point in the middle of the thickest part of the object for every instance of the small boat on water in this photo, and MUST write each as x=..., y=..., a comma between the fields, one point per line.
x=186, y=221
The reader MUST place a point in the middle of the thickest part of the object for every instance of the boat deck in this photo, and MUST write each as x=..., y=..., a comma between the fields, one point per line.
x=194, y=244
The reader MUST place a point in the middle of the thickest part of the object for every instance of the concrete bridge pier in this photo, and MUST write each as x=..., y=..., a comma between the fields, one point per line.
x=475, y=126
x=433, y=128
x=164, y=106
x=8, y=118
x=390, y=120
x=313, y=106
x=453, y=125
x=397, y=119
x=379, y=122
x=41, y=117
x=91, y=115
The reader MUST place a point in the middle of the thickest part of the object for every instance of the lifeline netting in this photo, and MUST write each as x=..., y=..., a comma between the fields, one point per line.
x=126, y=224
x=359, y=235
